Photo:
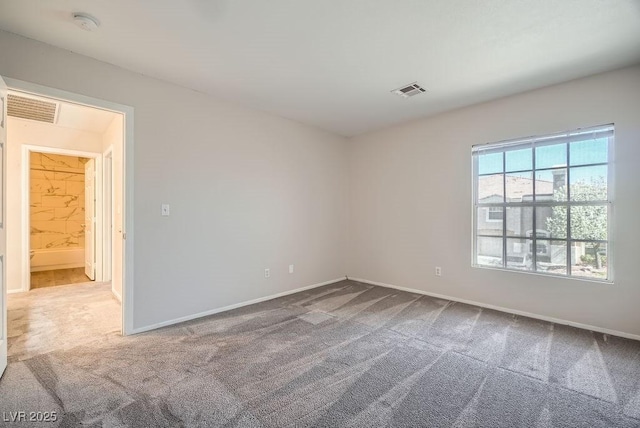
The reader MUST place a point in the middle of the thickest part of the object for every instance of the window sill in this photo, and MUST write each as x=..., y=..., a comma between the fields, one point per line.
x=547, y=275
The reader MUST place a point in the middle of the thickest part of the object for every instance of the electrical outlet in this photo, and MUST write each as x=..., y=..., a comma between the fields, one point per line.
x=290, y=268
x=267, y=273
x=438, y=271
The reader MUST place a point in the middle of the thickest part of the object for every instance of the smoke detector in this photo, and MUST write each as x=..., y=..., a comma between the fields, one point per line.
x=409, y=90
x=86, y=22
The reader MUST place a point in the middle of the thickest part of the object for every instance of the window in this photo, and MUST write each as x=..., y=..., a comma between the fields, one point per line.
x=494, y=213
x=541, y=247
x=556, y=185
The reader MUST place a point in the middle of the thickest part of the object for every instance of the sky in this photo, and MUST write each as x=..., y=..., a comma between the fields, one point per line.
x=580, y=153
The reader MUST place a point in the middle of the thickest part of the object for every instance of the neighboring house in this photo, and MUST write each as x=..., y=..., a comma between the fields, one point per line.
x=519, y=220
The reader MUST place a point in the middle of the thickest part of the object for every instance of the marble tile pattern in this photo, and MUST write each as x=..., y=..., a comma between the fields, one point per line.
x=56, y=201
x=343, y=355
x=53, y=278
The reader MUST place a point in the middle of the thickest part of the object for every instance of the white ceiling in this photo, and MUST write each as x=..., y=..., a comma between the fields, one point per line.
x=84, y=118
x=332, y=63
x=76, y=116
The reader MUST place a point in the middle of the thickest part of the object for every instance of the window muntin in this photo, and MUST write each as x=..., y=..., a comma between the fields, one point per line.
x=557, y=185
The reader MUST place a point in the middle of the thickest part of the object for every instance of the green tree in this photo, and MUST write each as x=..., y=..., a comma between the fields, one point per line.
x=588, y=222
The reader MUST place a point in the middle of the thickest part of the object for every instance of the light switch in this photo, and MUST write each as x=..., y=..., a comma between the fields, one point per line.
x=165, y=210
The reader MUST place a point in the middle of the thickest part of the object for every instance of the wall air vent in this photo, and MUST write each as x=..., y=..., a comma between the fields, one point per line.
x=31, y=108
x=409, y=90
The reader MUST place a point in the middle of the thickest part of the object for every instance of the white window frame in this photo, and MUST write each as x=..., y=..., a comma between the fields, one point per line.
x=603, y=131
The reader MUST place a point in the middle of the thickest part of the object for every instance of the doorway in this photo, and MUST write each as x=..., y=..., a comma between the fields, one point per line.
x=57, y=212
x=63, y=225
x=111, y=216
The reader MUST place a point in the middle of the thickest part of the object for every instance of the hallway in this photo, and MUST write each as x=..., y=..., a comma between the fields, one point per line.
x=57, y=318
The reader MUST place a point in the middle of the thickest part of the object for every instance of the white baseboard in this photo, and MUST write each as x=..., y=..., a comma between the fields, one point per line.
x=116, y=295
x=501, y=309
x=19, y=290
x=230, y=307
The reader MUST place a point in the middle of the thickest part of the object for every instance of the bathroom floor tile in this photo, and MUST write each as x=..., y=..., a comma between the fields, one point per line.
x=52, y=278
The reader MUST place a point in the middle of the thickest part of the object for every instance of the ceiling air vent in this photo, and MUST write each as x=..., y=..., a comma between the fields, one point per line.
x=409, y=90
x=31, y=108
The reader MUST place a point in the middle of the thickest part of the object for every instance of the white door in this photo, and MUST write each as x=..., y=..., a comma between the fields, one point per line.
x=90, y=219
x=3, y=236
x=107, y=218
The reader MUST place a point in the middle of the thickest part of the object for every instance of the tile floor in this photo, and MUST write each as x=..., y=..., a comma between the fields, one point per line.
x=52, y=278
x=56, y=318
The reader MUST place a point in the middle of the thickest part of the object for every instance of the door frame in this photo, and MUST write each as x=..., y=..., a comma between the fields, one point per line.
x=107, y=216
x=127, y=178
x=26, y=203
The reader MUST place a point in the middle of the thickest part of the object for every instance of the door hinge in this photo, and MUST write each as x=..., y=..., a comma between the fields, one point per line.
x=124, y=236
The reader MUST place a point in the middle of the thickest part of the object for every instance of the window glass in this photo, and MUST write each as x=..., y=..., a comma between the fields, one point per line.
x=519, y=160
x=519, y=221
x=589, y=260
x=490, y=163
x=551, y=156
x=551, y=185
x=519, y=186
x=489, y=251
x=519, y=254
x=533, y=212
x=490, y=221
x=588, y=222
x=589, y=183
x=491, y=188
x=589, y=151
x=552, y=219
x=551, y=256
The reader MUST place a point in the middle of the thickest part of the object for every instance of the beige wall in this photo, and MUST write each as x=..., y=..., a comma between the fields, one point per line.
x=248, y=190
x=56, y=201
x=22, y=132
x=410, y=188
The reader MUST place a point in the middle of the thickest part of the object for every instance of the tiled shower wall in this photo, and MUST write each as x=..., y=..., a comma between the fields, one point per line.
x=57, y=201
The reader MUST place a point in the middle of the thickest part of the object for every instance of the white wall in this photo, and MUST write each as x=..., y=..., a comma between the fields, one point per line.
x=114, y=138
x=247, y=190
x=411, y=201
x=22, y=132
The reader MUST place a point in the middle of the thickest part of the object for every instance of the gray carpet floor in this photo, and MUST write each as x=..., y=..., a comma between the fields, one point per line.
x=343, y=355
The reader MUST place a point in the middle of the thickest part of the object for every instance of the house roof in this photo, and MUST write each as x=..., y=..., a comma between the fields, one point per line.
x=491, y=186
